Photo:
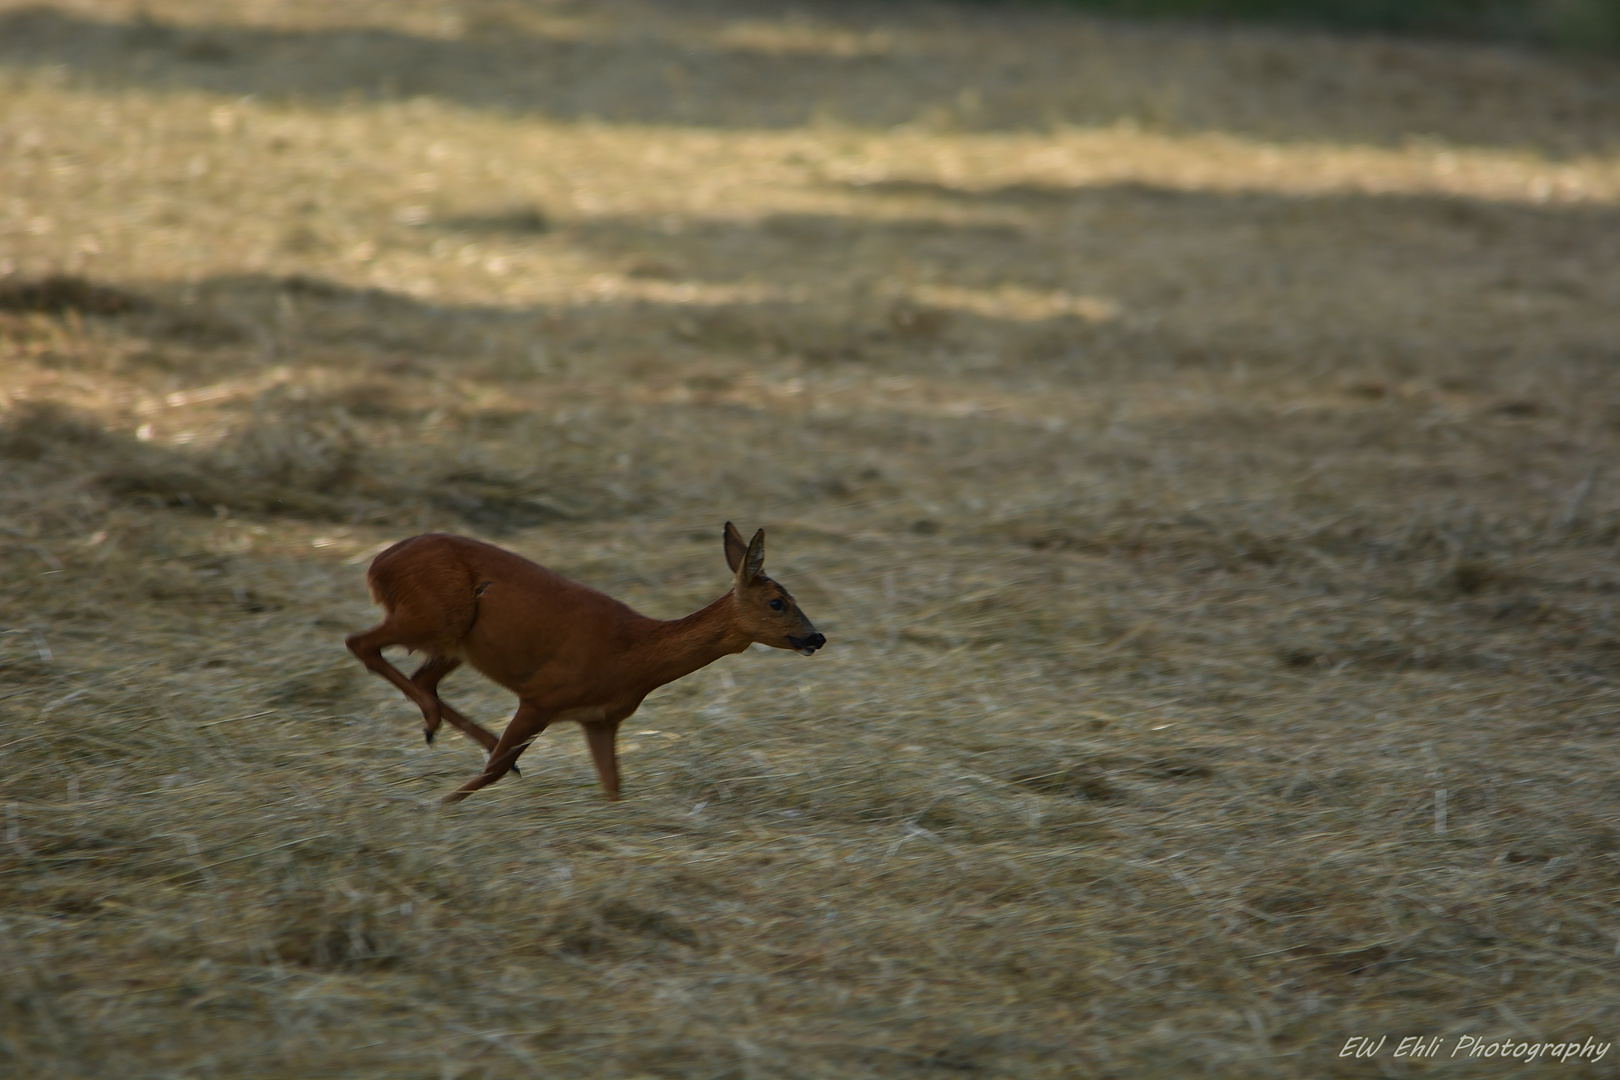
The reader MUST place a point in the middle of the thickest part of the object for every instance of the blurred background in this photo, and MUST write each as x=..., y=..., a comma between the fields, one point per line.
x=1192, y=425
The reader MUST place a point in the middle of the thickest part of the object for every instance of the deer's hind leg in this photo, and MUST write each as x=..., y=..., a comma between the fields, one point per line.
x=427, y=678
x=430, y=618
x=368, y=648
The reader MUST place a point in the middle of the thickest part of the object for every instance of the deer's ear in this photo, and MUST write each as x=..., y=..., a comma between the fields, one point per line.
x=735, y=548
x=753, y=560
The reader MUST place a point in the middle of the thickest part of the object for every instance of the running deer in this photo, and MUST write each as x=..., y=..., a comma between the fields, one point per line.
x=567, y=651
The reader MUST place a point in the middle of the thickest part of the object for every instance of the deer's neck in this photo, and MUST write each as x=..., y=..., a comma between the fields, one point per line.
x=680, y=646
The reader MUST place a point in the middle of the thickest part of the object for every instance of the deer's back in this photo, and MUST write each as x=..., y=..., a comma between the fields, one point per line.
x=512, y=619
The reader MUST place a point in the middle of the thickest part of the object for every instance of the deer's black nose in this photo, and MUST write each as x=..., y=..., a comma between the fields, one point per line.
x=807, y=645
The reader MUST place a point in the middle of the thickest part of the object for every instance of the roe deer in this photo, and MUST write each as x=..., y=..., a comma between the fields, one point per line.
x=567, y=651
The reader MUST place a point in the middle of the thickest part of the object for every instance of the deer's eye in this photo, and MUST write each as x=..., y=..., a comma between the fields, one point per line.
x=777, y=605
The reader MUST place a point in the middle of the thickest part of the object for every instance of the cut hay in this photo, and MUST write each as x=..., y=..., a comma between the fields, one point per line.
x=1197, y=448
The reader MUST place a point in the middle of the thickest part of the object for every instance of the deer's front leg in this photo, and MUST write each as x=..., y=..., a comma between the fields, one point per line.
x=527, y=723
x=602, y=737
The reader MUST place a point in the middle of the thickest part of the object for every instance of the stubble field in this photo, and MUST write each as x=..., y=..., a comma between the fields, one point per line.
x=1197, y=445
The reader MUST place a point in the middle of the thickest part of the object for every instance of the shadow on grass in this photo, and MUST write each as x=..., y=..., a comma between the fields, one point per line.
x=1146, y=264
x=1551, y=221
x=1580, y=24
x=297, y=459
x=872, y=67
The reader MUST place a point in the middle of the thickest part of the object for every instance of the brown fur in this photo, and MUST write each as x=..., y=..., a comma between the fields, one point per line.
x=567, y=651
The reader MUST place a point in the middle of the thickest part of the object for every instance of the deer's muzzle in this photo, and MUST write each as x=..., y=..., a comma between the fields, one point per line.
x=807, y=645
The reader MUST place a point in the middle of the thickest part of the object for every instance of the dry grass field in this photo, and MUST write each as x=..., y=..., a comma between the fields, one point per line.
x=1197, y=445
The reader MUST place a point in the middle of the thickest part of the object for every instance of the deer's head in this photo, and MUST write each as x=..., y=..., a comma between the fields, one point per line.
x=766, y=612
